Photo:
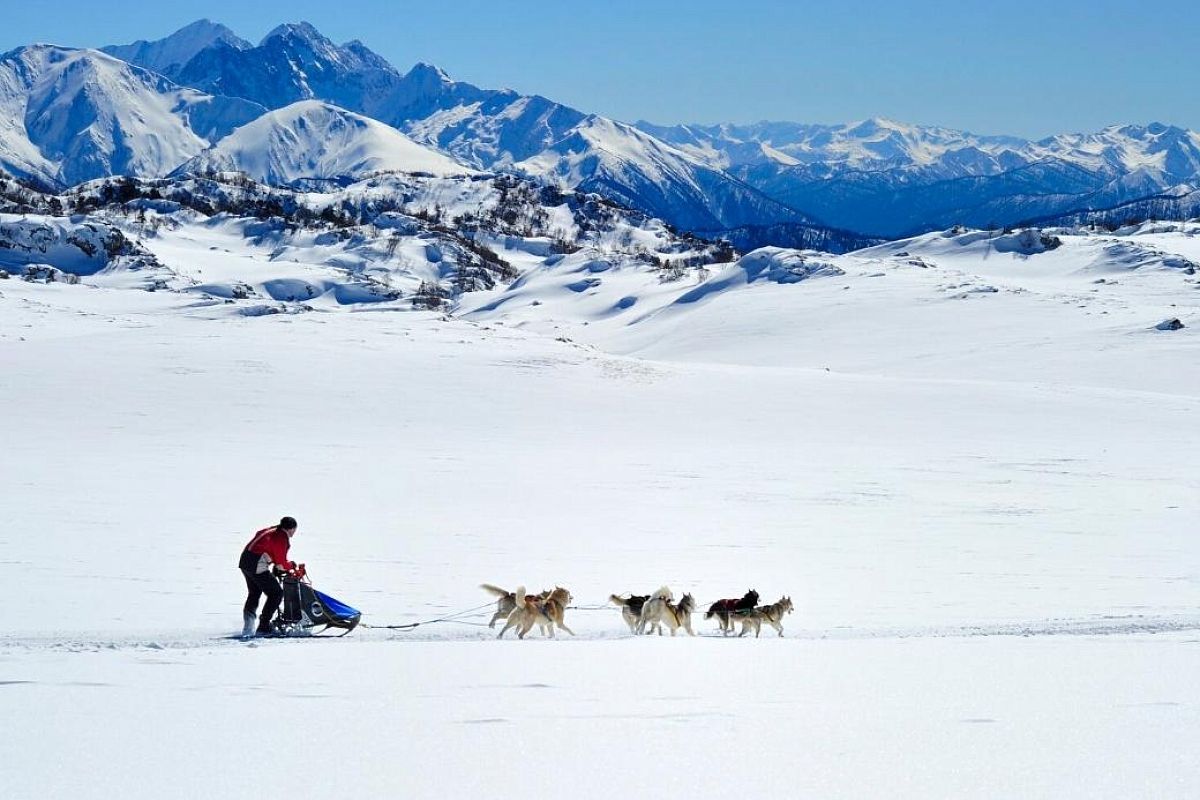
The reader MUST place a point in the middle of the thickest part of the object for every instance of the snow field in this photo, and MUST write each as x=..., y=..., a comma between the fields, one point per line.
x=982, y=510
x=425, y=448
x=1045, y=717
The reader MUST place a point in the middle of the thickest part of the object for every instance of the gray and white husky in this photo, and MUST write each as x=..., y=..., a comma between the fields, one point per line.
x=772, y=615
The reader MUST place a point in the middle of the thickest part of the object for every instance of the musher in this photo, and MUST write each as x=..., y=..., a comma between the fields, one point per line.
x=268, y=548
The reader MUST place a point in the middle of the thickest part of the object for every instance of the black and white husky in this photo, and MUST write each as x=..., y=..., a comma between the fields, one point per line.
x=631, y=608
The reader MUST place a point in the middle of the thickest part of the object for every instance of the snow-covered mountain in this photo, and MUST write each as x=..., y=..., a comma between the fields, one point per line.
x=294, y=62
x=1182, y=203
x=488, y=129
x=311, y=139
x=68, y=116
x=72, y=115
x=888, y=177
x=869, y=145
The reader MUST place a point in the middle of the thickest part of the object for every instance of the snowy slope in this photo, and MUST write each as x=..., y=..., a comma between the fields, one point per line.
x=311, y=139
x=71, y=115
x=637, y=170
x=398, y=240
x=1182, y=203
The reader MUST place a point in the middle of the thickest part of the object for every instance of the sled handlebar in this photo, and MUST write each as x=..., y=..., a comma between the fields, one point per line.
x=299, y=572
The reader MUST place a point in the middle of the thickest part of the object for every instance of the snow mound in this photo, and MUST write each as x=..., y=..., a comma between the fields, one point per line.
x=590, y=286
x=1028, y=242
x=1122, y=256
x=79, y=248
x=959, y=241
x=315, y=140
x=772, y=264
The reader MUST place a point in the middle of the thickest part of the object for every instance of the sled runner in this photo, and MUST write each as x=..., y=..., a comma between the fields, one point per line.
x=306, y=611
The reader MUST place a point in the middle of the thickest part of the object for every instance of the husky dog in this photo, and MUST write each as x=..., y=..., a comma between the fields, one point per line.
x=631, y=608
x=724, y=610
x=659, y=610
x=506, y=603
x=545, y=612
x=772, y=615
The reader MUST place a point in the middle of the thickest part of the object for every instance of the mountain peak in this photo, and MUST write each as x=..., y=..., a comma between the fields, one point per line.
x=427, y=72
x=877, y=125
x=1153, y=130
x=168, y=55
x=202, y=26
x=304, y=31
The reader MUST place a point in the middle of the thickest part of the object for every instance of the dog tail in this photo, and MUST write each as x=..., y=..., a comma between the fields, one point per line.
x=496, y=590
x=617, y=601
x=520, y=596
x=663, y=593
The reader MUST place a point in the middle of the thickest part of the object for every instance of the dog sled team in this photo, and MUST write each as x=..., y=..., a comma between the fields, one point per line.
x=264, y=560
x=644, y=614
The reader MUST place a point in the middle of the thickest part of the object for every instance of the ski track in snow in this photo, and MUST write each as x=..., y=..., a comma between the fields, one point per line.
x=473, y=628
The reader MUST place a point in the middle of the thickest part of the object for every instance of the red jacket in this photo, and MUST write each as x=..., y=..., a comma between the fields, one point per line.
x=273, y=543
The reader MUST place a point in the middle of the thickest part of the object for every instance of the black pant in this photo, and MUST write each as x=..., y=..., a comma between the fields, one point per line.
x=258, y=584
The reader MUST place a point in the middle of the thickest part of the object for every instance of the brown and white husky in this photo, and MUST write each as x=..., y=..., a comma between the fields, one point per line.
x=506, y=603
x=546, y=612
x=659, y=611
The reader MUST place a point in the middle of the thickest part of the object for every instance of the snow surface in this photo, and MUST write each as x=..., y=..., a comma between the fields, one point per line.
x=968, y=460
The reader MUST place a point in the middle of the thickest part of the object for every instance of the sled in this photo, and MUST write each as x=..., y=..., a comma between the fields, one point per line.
x=305, y=611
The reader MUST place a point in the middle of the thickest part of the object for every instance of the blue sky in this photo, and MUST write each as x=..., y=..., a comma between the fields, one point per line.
x=1018, y=67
